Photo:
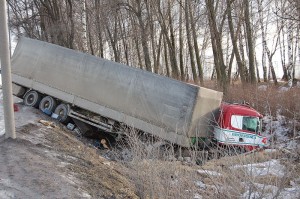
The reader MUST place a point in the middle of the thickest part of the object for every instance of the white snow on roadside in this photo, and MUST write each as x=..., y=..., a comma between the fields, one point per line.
x=200, y=184
x=262, y=87
x=283, y=89
x=85, y=195
x=270, y=192
x=197, y=196
x=272, y=167
x=207, y=172
x=270, y=150
x=22, y=117
x=276, y=128
x=6, y=194
x=278, y=131
x=25, y=115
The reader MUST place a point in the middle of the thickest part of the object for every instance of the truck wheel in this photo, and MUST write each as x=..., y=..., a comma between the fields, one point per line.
x=49, y=103
x=32, y=98
x=62, y=111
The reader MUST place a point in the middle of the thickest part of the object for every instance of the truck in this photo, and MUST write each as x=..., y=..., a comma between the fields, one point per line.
x=90, y=91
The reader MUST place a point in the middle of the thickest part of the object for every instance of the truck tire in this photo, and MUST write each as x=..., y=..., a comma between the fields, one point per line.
x=32, y=98
x=49, y=103
x=62, y=111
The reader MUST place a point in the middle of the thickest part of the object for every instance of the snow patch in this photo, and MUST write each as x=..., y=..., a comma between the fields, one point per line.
x=270, y=192
x=277, y=130
x=262, y=87
x=270, y=150
x=207, y=172
x=63, y=164
x=6, y=194
x=272, y=167
x=86, y=195
x=25, y=115
x=283, y=89
x=201, y=184
x=197, y=196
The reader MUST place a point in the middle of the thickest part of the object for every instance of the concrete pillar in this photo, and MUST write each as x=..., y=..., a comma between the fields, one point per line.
x=9, y=120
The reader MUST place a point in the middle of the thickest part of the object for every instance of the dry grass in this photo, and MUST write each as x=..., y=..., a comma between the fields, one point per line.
x=234, y=181
x=99, y=177
x=264, y=97
x=267, y=99
x=155, y=177
x=163, y=179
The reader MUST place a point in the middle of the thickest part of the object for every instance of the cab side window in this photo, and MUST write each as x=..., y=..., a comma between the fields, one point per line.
x=245, y=123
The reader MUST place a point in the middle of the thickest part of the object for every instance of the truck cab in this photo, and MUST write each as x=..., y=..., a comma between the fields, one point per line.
x=239, y=125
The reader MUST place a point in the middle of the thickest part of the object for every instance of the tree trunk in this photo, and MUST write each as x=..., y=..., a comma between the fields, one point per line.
x=241, y=67
x=113, y=38
x=123, y=34
x=171, y=48
x=181, y=44
x=197, y=52
x=257, y=71
x=99, y=30
x=250, y=43
x=136, y=9
x=270, y=56
x=84, y=27
x=175, y=70
x=157, y=61
x=230, y=66
x=263, y=59
x=152, y=33
x=282, y=55
x=166, y=57
x=188, y=35
x=290, y=53
x=216, y=41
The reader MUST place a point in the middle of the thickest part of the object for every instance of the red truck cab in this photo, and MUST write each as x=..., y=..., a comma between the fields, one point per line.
x=239, y=125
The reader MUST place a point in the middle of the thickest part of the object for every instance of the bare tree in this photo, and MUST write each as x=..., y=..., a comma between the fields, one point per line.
x=136, y=8
x=250, y=42
x=165, y=21
x=189, y=41
x=196, y=47
x=216, y=42
x=233, y=35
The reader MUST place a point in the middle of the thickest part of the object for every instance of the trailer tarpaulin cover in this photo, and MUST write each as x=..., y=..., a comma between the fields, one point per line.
x=107, y=88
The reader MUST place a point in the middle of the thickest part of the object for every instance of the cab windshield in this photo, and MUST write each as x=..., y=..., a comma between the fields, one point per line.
x=246, y=123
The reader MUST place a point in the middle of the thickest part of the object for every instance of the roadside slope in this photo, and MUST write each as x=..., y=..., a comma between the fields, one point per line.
x=46, y=161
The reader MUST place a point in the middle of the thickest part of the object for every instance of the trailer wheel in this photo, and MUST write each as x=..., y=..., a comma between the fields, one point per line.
x=62, y=111
x=47, y=102
x=32, y=98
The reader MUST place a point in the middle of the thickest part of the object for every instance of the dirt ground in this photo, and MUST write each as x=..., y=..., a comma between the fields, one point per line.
x=47, y=161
